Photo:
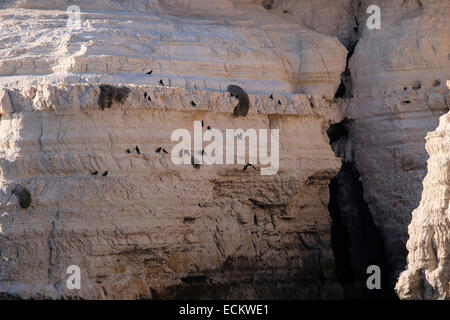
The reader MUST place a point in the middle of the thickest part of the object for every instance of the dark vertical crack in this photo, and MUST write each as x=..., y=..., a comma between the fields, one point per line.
x=356, y=240
x=345, y=87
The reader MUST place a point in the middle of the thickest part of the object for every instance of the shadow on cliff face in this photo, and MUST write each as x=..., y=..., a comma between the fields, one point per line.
x=356, y=240
x=242, y=108
x=108, y=94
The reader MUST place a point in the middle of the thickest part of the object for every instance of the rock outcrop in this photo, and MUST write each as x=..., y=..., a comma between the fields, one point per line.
x=152, y=229
x=428, y=272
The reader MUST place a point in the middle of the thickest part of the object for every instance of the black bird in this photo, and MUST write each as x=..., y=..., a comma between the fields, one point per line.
x=248, y=165
x=137, y=150
x=94, y=173
x=202, y=123
x=271, y=96
x=279, y=102
x=105, y=173
x=150, y=72
x=203, y=152
x=158, y=150
x=128, y=151
x=193, y=103
x=209, y=127
x=145, y=94
x=164, y=150
x=195, y=163
x=161, y=82
x=149, y=98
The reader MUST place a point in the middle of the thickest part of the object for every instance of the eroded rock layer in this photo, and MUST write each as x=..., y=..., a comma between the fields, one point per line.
x=428, y=272
x=152, y=229
x=192, y=44
x=86, y=173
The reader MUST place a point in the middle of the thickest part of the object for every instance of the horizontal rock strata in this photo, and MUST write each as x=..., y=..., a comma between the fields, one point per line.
x=152, y=229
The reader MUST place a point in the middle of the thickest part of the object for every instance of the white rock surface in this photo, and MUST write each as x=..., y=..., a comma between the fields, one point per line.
x=195, y=44
x=428, y=272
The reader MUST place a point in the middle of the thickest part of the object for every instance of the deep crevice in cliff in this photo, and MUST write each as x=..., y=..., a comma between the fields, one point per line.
x=345, y=87
x=356, y=240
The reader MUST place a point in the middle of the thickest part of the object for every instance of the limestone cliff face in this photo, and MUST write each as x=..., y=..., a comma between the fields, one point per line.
x=188, y=44
x=398, y=87
x=394, y=93
x=152, y=229
x=428, y=272
x=84, y=184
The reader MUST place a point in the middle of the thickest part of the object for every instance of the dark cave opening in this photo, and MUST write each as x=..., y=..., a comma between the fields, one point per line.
x=356, y=240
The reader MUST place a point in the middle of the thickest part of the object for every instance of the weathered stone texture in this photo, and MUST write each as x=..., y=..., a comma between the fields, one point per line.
x=428, y=272
x=151, y=229
x=72, y=101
